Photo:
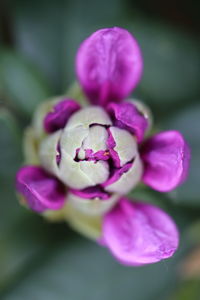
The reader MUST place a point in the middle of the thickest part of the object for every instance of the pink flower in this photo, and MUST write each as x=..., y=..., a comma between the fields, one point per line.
x=97, y=154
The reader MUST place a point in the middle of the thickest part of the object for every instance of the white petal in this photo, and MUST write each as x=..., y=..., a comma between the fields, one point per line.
x=72, y=139
x=81, y=154
x=128, y=180
x=94, y=207
x=71, y=174
x=98, y=172
x=126, y=145
x=87, y=116
x=80, y=175
x=31, y=147
x=96, y=139
x=48, y=152
x=90, y=226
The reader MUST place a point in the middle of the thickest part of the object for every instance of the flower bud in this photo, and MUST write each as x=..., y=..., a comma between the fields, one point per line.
x=89, y=151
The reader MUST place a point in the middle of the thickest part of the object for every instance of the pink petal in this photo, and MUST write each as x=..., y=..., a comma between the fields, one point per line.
x=61, y=112
x=109, y=65
x=126, y=116
x=166, y=159
x=41, y=190
x=139, y=233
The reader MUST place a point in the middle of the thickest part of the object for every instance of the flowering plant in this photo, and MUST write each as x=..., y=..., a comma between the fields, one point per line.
x=83, y=160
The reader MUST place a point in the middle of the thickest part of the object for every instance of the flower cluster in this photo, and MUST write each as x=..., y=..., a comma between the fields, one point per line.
x=83, y=160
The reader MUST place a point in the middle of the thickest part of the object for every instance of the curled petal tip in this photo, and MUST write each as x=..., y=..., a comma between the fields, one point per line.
x=109, y=65
x=40, y=190
x=139, y=233
x=166, y=158
x=126, y=116
x=92, y=201
x=58, y=118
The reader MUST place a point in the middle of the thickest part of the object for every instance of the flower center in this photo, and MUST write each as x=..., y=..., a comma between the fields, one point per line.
x=90, y=151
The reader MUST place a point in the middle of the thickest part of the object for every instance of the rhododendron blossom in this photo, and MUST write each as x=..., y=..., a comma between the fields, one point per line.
x=83, y=160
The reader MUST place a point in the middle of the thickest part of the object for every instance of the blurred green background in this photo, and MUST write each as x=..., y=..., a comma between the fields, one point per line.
x=38, y=43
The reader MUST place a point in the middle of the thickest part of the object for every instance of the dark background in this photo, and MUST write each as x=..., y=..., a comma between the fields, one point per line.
x=38, y=43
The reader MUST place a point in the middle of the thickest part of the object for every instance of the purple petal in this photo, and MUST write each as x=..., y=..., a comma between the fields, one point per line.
x=41, y=190
x=166, y=159
x=125, y=179
x=109, y=65
x=117, y=174
x=61, y=113
x=126, y=116
x=139, y=233
x=91, y=193
x=111, y=145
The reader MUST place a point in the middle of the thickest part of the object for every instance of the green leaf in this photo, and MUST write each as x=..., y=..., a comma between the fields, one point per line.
x=66, y=266
x=187, y=122
x=171, y=57
x=183, y=214
x=78, y=26
x=171, y=64
x=21, y=83
x=187, y=290
x=51, y=42
x=10, y=160
x=80, y=269
x=10, y=144
x=23, y=235
x=23, y=242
